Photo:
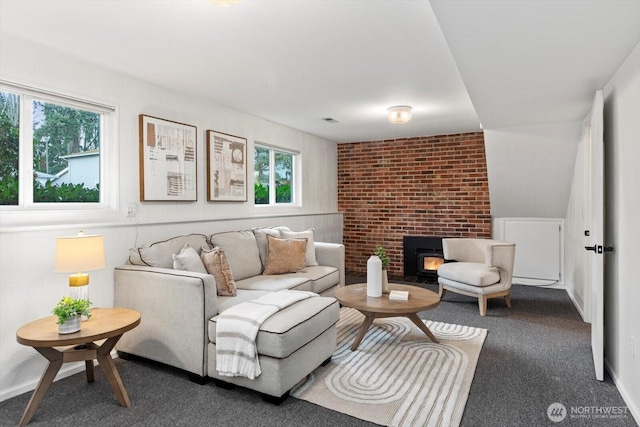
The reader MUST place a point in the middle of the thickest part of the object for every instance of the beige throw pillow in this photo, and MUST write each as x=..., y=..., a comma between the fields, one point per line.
x=188, y=260
x=285, y=255
x=215, y=261
x=310, y=257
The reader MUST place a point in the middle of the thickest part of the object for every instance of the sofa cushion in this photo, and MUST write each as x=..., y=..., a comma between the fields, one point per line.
x=188, y=260
x=242, y=295
x=160, y=254
x=276, y=282
x=241, y=250
x=321, y=277
x=285, y=255
x=292, y=327
x=310, y=254
x=215, y=261
x=471, y=273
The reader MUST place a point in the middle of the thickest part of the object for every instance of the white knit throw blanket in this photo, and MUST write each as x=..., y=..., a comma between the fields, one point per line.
x=237, y=329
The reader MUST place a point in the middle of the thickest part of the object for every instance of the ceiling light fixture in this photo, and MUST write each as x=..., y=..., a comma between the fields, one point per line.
x=225, y=3
x=399, y=113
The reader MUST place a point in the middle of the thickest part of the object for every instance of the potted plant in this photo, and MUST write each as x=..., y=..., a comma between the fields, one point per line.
x=384, y=258
x=69, y=310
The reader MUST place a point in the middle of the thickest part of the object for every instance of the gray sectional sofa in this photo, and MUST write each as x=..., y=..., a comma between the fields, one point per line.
x=179, y=308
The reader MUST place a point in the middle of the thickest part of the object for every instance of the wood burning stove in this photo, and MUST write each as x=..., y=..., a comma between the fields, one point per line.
x=422, y=256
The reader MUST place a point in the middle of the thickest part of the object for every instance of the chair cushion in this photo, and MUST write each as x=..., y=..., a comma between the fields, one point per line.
x=293, y=327
x=471, y=273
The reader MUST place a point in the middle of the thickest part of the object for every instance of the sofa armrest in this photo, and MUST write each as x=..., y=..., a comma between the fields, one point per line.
x=331, y=255
x=175, y=307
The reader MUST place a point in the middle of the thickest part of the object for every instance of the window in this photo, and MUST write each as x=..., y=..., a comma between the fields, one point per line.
x=51, y=149
x=274, y=169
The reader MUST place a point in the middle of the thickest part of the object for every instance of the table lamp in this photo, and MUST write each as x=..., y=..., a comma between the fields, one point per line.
x=78, y=254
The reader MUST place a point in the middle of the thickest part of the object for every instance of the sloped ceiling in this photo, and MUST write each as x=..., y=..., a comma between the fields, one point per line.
x=532, y=62
x=296, y=62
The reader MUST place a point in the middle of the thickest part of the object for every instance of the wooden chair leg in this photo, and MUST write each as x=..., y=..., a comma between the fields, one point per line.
x=441, y=291
x=482, y=302
x=507, y=300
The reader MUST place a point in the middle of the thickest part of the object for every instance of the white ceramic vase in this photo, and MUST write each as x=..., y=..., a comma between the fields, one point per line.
x=374, y=277
x=70, y=326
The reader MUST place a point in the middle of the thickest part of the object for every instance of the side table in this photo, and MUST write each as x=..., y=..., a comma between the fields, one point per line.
x=105, y=323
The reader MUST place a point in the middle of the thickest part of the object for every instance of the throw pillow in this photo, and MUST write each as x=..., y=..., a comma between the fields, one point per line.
x=215, y=261
x=188, y=260
x=285, y=255
x=310, y=257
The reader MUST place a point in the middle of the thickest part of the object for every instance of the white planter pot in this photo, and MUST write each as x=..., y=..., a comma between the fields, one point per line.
x=70, y=326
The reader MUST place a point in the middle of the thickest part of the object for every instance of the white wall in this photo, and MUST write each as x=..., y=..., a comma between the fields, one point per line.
x=622, y=227
x=28, y=287
x=530, y=169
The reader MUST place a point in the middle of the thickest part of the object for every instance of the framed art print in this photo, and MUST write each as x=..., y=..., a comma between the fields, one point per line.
x=168, y=160
x=226, y=167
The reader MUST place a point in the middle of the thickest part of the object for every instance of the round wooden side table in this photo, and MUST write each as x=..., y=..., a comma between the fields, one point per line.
x=420, y=299
x=105, y=323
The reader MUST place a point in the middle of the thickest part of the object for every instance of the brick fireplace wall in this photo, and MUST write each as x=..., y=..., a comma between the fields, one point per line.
x=431, y=186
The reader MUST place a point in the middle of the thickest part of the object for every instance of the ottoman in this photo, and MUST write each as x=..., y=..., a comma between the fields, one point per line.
x=291, y=344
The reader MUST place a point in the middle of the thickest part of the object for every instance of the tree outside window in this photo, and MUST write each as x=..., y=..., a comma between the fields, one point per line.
x=65, y=165
x=273, y=169
x=9, y=147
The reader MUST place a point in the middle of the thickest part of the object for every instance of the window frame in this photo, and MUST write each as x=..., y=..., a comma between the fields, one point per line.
x=108, y=150
x=295, y=176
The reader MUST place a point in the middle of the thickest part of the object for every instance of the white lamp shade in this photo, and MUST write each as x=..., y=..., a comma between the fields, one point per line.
x=79, y=253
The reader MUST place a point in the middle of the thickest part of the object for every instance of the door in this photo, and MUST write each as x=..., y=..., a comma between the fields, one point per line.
x=595, y=258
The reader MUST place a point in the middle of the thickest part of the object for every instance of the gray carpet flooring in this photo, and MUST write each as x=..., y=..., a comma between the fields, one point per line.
x=535, y=354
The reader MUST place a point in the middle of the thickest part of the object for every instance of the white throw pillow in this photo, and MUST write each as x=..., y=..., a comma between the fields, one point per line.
x=188, y=260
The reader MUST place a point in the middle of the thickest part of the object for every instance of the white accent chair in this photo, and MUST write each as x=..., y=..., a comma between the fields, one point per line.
x=483, y=270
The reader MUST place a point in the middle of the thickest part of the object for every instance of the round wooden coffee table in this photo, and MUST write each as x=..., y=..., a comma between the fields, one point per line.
x=105, y=323
x=420, y=299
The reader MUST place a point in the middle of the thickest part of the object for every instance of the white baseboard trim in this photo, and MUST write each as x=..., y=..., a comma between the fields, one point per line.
x=572, y=297
x=543, y=283
x=65, y=371
x=633, y=409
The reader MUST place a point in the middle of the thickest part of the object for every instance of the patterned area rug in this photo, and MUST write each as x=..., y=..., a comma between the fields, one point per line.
x=397, y=377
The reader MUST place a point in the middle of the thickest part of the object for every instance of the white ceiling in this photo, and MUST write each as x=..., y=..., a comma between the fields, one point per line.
x=296, y=62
